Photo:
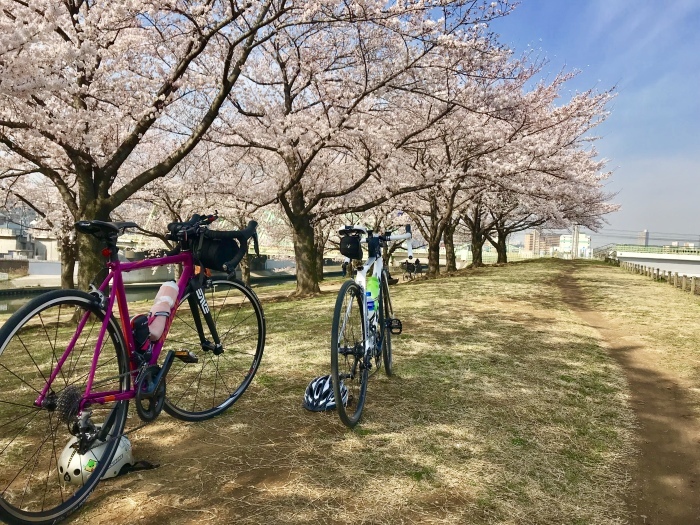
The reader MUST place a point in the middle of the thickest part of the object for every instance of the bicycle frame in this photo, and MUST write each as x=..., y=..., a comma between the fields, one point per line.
x=361, y=280
x=117, y=293
x=377, y=263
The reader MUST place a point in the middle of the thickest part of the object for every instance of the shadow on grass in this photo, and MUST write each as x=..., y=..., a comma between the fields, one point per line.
x=500, y=411
x=667, y=473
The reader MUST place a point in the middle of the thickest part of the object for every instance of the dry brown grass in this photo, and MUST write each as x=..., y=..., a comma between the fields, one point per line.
x=652, y=314
x=503, y=409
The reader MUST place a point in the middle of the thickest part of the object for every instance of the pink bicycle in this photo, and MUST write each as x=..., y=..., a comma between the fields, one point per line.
x=69, y=366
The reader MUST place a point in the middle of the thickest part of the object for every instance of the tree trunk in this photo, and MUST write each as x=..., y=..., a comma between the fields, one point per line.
x=478, y=241
x=303, y=238
x=433, y=258
x=91, y=260
x=68, y=253
x=305, y=256
x=245, y=269
x=89, y=248
x=319, y=263
x=502, y=247
x=320, y=239
x=450, y=256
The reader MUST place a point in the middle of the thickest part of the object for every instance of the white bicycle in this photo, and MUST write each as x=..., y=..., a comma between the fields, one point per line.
x=363, y=321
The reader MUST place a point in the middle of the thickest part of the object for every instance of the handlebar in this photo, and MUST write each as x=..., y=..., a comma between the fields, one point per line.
x=403, y=237
x=242, y=237
x=183, y=231
x=350, y=230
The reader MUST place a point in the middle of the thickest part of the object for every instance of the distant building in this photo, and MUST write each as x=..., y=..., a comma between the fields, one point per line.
x=13, y=245
x=46, y=247
x=643, y=238
x=566, y=244
x=541, y=243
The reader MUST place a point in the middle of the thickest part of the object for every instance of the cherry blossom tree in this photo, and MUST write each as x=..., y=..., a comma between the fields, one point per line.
x=331, y=106
x=88, y=84
x=531, y=150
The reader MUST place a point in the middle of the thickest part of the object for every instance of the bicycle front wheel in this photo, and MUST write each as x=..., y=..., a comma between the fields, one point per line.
x=386, y=315
x=201, y=390
x=56, y=335
x=349, y=368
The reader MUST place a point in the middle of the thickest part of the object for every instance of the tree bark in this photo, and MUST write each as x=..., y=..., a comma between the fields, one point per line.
x=303, y=238
x=68, y=257
x=478, y=241
x=91, y=260
x=433, y=257
x=320, y=248
x=319, y=263
x=450, y=256
x=245, y=269
x=502, y=247
x=305, y=256
x=89, y=248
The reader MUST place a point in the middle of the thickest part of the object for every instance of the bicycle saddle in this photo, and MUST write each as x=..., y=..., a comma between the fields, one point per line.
x=103, y=229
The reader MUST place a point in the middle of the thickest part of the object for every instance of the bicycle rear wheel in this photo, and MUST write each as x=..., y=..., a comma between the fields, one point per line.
x=385, y=317
x=348, y=363
x=199, y=391
x=34, y=486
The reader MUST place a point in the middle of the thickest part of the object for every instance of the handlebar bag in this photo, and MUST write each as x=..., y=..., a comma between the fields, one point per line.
x=214, y=253
x=350, y=247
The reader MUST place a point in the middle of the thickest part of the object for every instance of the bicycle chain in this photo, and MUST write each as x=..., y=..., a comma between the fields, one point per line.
x=138, y=427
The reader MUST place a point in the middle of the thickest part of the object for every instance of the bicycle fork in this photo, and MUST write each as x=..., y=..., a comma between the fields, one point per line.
x=198, y=302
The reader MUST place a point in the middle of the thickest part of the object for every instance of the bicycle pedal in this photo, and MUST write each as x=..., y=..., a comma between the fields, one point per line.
x=186, y=356
x=396, y=327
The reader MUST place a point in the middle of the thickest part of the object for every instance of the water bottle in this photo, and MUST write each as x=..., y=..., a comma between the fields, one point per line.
x=163, y=304
x=372, y=296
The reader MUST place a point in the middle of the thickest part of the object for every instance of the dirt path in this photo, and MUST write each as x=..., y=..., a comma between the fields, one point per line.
x=666, y=477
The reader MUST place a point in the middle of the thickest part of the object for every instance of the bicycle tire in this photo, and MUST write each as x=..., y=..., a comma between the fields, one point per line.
x=197, y=391
x=386, y=315
x=31, y=342
x=348, y=360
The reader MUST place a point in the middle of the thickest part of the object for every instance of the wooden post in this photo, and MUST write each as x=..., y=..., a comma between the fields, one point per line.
x=684, y=280
x=692, y=285
x=675, y=279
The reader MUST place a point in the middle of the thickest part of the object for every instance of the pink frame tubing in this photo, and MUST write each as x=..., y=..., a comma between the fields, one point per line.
x=118, y=294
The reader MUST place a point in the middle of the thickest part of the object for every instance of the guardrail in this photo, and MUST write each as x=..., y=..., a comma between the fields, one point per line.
x=684, y=282
x=637, y=248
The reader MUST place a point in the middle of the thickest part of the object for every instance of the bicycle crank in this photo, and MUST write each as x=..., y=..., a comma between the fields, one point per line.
x=150, y=389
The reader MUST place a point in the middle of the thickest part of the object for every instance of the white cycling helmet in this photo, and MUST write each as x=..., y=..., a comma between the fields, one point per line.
x=76, y=468
x=319, y=394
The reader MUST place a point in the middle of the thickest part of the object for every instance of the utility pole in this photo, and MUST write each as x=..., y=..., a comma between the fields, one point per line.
x=574, y=243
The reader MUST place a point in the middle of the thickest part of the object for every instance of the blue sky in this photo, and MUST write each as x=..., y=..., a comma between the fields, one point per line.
x=650, y=51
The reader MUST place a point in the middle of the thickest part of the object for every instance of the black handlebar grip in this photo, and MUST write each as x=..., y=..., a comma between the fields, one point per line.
x=231, y=265
x=242, y=236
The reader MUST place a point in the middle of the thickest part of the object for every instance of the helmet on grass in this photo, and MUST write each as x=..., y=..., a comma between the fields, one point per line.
x=319, y=394
x=75, y=468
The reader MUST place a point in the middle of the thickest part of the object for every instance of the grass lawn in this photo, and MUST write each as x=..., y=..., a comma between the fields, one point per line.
x=503, y=408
